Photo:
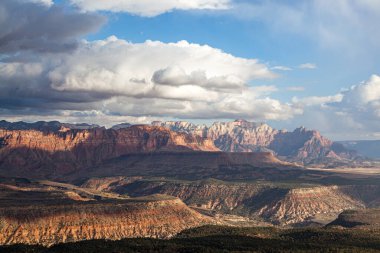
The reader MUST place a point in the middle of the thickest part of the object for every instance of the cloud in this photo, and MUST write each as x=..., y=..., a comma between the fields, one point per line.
x=43, y=2
x=250, y=104
x=315, y=100
x=307, y=66
x=118, y=78
x=150, y=8
x=41, y=26
x=353, y=113
x=282, y=68
x=343, y=26
x=176, y=76
x=295, y=88
x=154, y=69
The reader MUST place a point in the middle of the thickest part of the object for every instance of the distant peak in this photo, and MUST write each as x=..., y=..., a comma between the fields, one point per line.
x=240, y=120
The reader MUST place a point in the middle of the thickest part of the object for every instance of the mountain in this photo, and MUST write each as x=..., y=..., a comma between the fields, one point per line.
x=52, y=152
x=34, y=213
x=195, y=165
x=44, y=126
x=301, y=145
x=367, y=148
x=120, y=126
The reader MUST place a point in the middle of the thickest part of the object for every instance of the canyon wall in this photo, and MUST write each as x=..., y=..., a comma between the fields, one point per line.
x=301, y=145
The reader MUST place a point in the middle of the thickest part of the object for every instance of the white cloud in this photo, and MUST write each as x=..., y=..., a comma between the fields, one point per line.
x=43, y=2
x=174, y=70
x=307, y=66
x=315, y=100
x=282, y=68
x=176, y=76
x=150, y=8
x=152, y=79
x=295, y=88
x=364, y=93
x=351, y=114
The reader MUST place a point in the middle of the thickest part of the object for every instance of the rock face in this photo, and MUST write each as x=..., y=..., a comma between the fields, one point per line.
x=301, y=145
x=298, y=205
x=64, y=150
x=56, y=219
x=195, y=166
x=276, y=204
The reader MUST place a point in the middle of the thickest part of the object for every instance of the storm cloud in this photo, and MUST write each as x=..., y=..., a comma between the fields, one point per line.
x=43, y=27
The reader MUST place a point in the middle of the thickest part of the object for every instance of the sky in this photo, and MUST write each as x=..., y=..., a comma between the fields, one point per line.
x=289, y=63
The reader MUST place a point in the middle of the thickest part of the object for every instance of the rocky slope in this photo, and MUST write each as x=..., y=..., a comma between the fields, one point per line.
x=302, y=204
x=279, y=204
x=301, y=145
x=47, y=216
x=195, y=166
x=51, y=152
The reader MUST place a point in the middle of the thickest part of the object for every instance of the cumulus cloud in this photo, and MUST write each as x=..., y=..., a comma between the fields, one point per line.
x=175, y=76
x=353, y=113
x=118, y=78
x=282, y=68
x=315, y=100
x=307, y=66
x=295, y=88
x=41, y=26
x=43, y=2
x=149, y=8
x=154, y=69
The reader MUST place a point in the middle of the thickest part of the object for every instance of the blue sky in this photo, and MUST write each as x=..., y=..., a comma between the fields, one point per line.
x=288, y=63
x=253, y=38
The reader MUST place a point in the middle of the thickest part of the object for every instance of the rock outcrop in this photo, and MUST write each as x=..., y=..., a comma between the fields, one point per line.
x=47, y=216
x=277, y=204
x=52, y=152
x=301, y=204
x=195, y=166
x=301, y=145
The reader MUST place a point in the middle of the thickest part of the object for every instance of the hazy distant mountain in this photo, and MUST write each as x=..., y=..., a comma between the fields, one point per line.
x=120, y=126
x=370, y=149
x=43, y=125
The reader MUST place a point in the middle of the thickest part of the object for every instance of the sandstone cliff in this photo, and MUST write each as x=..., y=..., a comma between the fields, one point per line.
x=47, y=216
x=195, y=165
x=279, y=204
x=57, y=152
x=301, y=145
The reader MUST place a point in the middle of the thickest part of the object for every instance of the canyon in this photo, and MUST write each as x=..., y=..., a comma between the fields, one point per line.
x=267, y=201
x=62, y=183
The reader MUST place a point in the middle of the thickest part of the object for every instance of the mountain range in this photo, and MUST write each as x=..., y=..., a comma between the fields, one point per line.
x=159, y=179
x=301, y=145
